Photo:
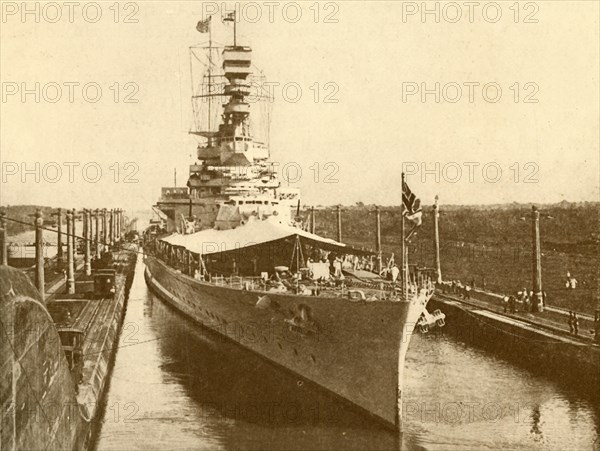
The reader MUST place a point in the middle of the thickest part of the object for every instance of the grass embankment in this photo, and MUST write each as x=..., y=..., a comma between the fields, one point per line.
x=493, y=243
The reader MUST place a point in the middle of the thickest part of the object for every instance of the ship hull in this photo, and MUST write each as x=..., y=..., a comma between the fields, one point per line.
x=354, y=350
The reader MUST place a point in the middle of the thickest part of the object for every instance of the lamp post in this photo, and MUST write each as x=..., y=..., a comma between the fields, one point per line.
x=436, y=240
x=3, y=237
x=536, y=301
x=339, y=223
x=39, y=253
x=59, y=243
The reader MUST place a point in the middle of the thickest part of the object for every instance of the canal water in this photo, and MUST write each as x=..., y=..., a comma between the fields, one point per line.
x=176, y=387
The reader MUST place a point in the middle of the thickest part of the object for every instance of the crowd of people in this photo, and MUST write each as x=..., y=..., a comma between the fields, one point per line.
x=458, y=288
x=339, y=262
x=523, y=297
x=523, y=300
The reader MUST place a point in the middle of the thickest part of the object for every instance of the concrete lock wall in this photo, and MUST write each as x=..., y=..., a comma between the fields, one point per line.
x=38, y=400
x=557, y=356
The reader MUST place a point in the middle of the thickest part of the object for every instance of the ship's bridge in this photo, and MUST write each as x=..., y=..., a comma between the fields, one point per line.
x=262, y=205
x=174, y=192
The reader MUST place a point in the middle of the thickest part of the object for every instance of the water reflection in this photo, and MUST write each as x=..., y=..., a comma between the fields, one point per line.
x=233, y=386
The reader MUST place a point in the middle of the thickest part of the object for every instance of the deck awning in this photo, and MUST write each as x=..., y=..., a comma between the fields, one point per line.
x=254, y=233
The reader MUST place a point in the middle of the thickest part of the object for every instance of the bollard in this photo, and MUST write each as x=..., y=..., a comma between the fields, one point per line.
x=3, y=237
x=70, y=255
x=39, y=254
x=87, y=236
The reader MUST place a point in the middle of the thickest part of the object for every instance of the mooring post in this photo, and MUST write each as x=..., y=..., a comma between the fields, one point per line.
x=70, y=254
x=436, y=240
x=59, y=243
x=39, y=253
x=378, y=238
x=3, y=237
x=87, y=236
x=537, y=262
x=104, y=229
x=339, y=224
x=312, y=220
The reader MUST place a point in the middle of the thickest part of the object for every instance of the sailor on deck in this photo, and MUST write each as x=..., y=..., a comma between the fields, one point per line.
x=395, y=273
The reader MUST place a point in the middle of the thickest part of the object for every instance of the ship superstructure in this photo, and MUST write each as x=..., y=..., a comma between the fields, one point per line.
x=232, y=178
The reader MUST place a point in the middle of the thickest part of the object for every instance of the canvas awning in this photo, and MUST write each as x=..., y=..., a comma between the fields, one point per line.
x=254, y=233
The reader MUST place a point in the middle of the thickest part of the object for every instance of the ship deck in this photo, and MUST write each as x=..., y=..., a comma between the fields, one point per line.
x=353, y=289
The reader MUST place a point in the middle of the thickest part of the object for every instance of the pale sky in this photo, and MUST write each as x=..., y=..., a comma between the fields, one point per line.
x=374, y=57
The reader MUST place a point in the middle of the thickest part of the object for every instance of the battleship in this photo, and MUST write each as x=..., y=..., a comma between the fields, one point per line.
x=232, y=252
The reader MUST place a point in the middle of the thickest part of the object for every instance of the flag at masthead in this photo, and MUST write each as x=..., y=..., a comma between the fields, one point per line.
x=204, y=25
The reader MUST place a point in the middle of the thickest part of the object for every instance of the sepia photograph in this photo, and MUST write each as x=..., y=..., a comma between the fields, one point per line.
x=300, y=225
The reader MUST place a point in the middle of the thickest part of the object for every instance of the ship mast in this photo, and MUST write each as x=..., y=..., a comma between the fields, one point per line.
x=232, y=17
x=234, y=30
x=209, y=75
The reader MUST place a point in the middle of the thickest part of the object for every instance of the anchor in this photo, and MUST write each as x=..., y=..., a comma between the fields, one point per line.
x=428, y=320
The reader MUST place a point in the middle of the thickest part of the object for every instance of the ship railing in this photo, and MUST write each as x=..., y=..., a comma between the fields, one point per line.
x=238, y=282
x=382, y=292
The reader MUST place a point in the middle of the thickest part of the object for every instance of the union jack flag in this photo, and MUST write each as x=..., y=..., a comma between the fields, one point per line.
x=412, y=204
